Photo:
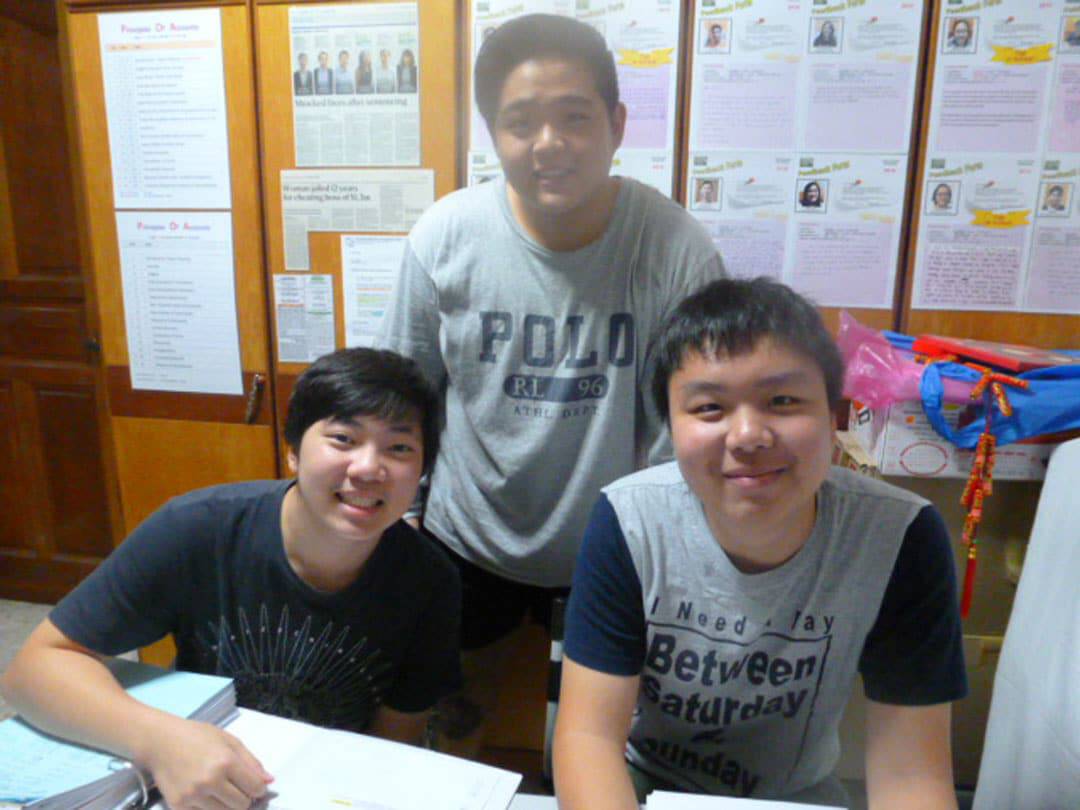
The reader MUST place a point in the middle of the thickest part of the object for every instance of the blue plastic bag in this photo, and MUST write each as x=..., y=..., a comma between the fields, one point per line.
x=1050, y=405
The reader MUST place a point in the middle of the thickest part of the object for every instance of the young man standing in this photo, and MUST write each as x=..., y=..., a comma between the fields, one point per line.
x=530, y=301
x=312, y=594
x=724, y=602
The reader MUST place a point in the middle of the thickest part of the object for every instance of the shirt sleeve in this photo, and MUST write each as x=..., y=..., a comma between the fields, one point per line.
x=133, y=598
x=605, y=620
x=431, y=668
x=913, y=655
x=411, y=324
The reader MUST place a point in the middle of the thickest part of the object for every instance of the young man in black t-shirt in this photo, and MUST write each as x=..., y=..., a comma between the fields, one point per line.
x=311, y=594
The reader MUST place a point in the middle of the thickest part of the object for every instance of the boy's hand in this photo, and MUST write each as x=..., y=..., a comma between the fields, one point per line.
x=196, y=765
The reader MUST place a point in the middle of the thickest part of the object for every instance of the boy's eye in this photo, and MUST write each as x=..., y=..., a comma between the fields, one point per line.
x=402, y=448
x=784, y=401
x=517, y=126
x=341, y=438
x=706, y=408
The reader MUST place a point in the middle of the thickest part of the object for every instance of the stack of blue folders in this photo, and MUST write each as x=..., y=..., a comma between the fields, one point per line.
x=40, y=772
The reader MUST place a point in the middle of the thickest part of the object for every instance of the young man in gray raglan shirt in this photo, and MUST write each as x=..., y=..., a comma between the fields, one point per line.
x=723, y=603
x=530, y=301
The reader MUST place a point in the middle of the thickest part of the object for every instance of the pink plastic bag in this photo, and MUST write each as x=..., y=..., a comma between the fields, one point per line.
x=878, y=374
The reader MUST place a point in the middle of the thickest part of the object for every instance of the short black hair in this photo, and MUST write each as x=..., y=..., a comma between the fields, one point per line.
x=364, y=382
x=730, y=317
x=541, y=36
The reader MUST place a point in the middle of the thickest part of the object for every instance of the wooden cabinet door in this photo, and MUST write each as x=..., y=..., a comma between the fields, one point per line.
x=167, y=443
x=57, y=518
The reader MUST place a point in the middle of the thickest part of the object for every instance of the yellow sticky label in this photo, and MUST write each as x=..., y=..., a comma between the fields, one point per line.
x=646, y=59
x=1022, y=56
x=1010, y=219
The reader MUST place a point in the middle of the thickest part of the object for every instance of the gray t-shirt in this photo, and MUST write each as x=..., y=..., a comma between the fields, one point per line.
x=744, y=677
x=542, y=355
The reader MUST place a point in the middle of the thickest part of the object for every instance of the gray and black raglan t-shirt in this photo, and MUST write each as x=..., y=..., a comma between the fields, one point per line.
x=542, y=356
x=744, y=677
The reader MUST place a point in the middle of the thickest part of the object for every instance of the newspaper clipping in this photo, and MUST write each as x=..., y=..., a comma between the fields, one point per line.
x=356, y=84
x=384, y=200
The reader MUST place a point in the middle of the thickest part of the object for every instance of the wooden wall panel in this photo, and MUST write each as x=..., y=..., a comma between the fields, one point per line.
x=9, y=262
x=1046, y=331
x=87, y=104
x=41, y=205
x=74, y=472
x=55, y=526
x=55, y=331
x=57, y=498
x=14, y=526
x=244, y=147
x=160, y=458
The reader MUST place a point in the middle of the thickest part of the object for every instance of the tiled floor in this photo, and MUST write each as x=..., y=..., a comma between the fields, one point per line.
x=17, y=619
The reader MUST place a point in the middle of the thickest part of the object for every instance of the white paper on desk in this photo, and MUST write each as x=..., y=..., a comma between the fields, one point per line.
x=316, y=768
x=380, y=200
x=180, y=300
x=370, y=266
x=164, y=82
x=669, y=800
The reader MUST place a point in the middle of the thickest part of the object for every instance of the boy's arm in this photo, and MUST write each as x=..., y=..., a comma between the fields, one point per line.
x=913, y=668
x=64, y=689
x=593, y=724
x=602, y=660
x=909, y=757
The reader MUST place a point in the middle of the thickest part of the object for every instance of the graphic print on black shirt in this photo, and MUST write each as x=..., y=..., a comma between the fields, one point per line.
x=727, y=681
x=295, y=669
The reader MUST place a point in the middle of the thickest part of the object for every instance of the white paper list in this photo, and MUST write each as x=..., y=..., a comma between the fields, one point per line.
x=180, y=301
x=165, y=106
x=304, y=306
x=370, y=266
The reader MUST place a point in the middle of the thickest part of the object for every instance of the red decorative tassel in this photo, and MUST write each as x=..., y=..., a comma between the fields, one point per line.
x=969, y=583
x=979, y=486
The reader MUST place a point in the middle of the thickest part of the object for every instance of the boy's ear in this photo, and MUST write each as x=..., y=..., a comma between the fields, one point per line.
x=618, y=123
x=294, y=461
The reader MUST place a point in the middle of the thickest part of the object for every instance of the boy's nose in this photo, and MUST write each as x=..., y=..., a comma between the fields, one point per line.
x=366, y=463
x=749, y=430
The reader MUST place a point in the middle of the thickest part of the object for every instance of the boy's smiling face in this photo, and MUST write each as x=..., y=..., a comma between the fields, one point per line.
x=753, y=435
x=355, y=477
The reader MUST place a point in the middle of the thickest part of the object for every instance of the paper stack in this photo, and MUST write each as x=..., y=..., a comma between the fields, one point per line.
x=40, y=772
x=323, y=769
x=666, y=800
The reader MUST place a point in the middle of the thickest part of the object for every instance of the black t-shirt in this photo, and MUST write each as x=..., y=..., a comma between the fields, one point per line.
x=210, y=567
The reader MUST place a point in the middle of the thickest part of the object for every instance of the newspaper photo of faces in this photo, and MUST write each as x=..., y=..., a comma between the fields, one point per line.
x=355, y=71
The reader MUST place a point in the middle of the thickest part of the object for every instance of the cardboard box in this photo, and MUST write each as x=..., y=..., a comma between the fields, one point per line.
x=900, y=441
x=849, y=453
